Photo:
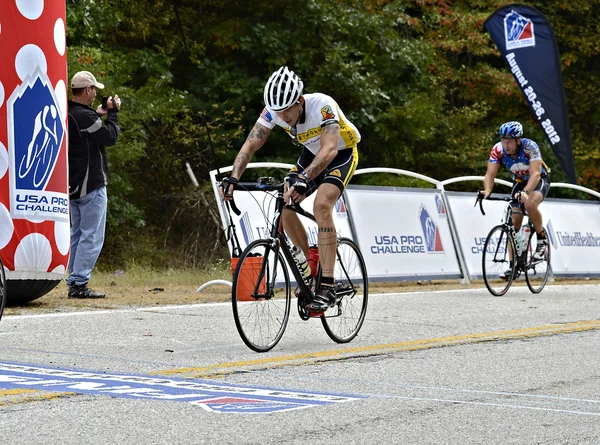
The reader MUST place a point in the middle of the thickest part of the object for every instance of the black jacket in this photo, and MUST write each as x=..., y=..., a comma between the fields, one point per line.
x=88, y=137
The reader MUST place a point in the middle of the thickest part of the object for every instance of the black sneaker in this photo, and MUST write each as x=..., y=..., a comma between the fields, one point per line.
x=84, y=292
x=324, y=299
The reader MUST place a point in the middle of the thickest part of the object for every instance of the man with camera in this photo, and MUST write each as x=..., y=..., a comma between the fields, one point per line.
x=89, y=135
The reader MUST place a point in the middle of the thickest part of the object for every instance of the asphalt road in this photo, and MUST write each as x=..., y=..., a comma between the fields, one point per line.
x=452, y=367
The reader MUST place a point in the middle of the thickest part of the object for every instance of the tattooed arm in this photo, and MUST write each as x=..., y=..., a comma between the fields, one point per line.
x=330, y=135
x=256, y=139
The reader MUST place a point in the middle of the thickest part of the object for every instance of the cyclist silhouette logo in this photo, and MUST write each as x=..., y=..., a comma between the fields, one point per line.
x=431, y=232
x=36, y=133
x=518, y=31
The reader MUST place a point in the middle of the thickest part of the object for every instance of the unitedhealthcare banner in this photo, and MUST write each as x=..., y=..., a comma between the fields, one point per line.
x=573, y=229
x=528, y=45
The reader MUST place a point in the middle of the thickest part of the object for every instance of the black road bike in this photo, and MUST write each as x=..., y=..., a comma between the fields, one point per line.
x=262, y=288
x=505, y=259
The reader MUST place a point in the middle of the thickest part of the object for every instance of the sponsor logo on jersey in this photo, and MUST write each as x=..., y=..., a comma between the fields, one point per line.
x=337, y=173
x=518, y=31
x=36, y=131
x=431, y=232
x=327, y=113
x=266, y=115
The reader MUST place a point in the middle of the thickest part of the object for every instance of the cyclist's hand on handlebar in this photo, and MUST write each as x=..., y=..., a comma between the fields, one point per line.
x=227, y=186
x=521, y=196
x=297, y=190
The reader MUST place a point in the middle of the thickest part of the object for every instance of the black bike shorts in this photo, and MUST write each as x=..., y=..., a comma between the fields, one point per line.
x=543, y=186
x=338, y=172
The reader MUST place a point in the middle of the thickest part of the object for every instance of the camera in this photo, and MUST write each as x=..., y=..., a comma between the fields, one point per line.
x=104, y=103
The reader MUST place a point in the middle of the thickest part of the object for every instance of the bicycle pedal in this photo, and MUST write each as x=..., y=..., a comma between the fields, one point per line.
x=315, y=314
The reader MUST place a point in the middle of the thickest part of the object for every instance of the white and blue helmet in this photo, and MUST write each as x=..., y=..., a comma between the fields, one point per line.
x=283, y=89
x=511, y=129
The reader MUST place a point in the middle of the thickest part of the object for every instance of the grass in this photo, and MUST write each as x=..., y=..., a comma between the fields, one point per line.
x=140, y=276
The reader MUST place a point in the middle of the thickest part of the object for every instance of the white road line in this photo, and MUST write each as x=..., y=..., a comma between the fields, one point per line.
x=198, y=305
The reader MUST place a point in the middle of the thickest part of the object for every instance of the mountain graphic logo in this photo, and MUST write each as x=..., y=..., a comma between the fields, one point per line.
x=518, y=31
x=431, y=232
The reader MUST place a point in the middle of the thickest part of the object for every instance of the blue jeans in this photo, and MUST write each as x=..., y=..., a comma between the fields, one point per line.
x=88, y=223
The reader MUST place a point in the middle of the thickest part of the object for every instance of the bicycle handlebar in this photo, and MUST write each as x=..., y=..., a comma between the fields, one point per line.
x=263, y=184
x=480, y=198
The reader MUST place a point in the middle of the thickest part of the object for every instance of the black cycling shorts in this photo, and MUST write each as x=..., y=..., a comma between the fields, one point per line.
x=543, y=187
x=338, y=172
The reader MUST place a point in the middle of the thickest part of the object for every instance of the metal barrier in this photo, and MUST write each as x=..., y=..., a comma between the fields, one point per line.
x=440, y=186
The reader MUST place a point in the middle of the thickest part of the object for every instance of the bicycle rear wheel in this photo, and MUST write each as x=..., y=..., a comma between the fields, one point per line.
x=261, y=296
x=343, y=321
x=2, y=289
x=498, y=271
x=536, y=271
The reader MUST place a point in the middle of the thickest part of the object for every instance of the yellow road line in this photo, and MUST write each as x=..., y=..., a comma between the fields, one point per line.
x=28, y=399
x=12, y=392
x=413, y=345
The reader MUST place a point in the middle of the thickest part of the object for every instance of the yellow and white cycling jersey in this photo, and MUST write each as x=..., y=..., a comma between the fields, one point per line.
x=319, y=111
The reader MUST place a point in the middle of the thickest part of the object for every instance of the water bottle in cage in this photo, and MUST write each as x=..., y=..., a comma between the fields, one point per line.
x=525, y=232
x=518, y=242
x=313, y=260
x=301, y=262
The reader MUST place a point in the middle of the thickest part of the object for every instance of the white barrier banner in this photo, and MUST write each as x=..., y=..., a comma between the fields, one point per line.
x=472, y=227
x=573, y=230
x=403, y=233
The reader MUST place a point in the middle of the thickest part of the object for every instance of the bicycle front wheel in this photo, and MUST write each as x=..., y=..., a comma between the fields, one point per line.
x=537, y=271
x=2, y=289
x=498, y=270
x=343, y=321
x=261, y=296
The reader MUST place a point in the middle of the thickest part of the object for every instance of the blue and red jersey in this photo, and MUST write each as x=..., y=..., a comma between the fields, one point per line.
x=528, y=151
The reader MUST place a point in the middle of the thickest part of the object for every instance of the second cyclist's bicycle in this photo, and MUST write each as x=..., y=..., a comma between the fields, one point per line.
x=262, y=288
x=505, y=258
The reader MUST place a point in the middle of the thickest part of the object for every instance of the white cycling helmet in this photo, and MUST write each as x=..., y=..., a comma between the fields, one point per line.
x=283, y=89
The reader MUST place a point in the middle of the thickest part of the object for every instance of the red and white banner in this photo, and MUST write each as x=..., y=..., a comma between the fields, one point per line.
x=34, y=199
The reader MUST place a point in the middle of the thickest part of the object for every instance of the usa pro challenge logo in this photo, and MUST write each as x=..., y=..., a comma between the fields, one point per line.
x=340, y=208
x=518, y=31
x=431, y=232
x=35, y=136
x=441, y=209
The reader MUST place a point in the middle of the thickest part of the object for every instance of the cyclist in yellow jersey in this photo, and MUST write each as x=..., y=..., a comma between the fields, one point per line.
x=328, y=160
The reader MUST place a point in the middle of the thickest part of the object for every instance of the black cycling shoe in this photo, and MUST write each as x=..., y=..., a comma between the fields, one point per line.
x=324, y=299
x=84, y=292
